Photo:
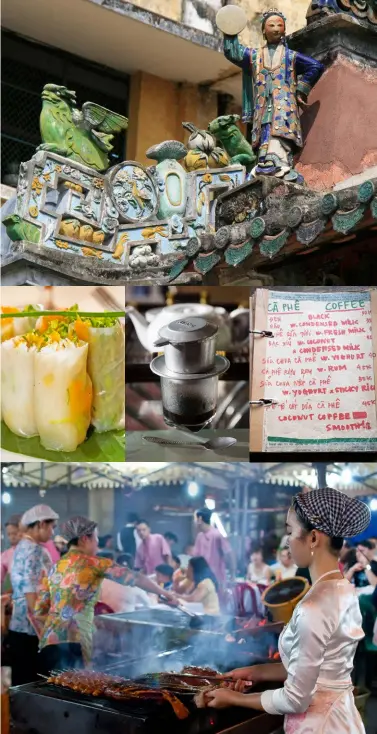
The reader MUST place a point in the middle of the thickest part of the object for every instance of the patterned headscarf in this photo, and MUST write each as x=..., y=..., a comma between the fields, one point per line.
x=332, y=512
x=77, y=527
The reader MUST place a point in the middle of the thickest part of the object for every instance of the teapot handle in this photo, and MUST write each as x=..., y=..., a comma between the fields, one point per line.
x=234, y=315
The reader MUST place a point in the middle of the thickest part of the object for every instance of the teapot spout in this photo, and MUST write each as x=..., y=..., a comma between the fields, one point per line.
x=141, y=325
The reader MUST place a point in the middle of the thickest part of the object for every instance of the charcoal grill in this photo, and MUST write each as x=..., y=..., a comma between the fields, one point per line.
x=39, y=708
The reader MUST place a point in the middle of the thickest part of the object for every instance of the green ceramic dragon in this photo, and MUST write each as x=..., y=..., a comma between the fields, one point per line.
x=227, y=132
x=20, y=229
x=83, y=135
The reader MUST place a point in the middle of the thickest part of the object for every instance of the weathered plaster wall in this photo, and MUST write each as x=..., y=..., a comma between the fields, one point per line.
x=157, y=109
x=169, y=8
x=339, y=128
x=294, y=10
x=201, y=14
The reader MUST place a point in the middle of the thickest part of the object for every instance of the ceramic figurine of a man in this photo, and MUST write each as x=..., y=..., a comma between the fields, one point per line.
x=276, y=81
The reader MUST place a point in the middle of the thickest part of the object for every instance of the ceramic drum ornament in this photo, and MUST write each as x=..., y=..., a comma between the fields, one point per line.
x=231, y=20
x=189, y=370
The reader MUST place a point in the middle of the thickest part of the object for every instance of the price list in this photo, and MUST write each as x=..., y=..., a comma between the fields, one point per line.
x=319, y=367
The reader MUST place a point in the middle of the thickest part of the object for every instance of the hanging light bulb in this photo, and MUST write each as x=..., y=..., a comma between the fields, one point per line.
x=193, y=489
x=347, y=474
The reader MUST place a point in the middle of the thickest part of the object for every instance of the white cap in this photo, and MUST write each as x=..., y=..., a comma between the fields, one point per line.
x=38, y=513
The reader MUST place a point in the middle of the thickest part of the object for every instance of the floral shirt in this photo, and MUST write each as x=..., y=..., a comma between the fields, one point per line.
x=66, y=602
x=31, y=563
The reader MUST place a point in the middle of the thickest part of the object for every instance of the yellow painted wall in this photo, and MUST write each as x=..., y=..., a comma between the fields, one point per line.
x=157, y=109
x=169, y=8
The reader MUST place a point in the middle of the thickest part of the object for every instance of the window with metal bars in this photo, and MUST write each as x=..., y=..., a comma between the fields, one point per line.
x=26, y=68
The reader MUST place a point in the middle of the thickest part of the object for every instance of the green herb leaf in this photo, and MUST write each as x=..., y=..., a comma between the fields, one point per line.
x=84, y=314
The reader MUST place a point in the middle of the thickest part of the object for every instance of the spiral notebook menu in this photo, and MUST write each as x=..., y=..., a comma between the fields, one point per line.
x=319, y=367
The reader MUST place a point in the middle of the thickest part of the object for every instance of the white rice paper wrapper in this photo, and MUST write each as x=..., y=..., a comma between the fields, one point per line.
x=17, y=388
x=62, y=395
x=19, y=326
x=106, y=367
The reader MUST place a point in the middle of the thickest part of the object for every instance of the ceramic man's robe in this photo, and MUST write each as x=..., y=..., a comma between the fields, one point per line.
x=273, y=83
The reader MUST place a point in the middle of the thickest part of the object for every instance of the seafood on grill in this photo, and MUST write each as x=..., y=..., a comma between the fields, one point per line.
x=202, y=676
x=170, y=681
x=95, y=684
x=182, y=682
x=195, y=670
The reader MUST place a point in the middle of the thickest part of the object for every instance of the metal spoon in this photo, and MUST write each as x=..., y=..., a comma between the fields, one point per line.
x=222, y=442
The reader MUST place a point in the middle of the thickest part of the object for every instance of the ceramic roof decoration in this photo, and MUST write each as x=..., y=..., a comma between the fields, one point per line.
x=360, y=9
x=168, y=149
x=220, y=208
x=82, y=135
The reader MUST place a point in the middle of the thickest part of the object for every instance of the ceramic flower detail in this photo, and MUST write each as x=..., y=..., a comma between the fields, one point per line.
x=36, y=185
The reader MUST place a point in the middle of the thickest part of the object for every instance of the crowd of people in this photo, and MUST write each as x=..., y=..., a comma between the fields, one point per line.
x=54, y=584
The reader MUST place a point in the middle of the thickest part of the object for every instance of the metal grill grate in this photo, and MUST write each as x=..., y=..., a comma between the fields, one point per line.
x=26, y=68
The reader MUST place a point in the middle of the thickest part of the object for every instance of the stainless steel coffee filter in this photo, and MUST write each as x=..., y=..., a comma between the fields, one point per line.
x=189, y=371
x=190, y=345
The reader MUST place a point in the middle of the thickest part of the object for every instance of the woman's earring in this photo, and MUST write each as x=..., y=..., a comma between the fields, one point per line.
x=312, y=552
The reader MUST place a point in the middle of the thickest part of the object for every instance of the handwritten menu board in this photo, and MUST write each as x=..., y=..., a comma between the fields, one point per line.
x=320, y=368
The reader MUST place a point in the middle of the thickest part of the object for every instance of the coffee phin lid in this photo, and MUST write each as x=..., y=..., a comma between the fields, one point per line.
x=184, y=331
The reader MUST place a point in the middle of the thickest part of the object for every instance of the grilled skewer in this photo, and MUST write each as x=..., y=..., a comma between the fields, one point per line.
x=175, y=678
x=100, y=684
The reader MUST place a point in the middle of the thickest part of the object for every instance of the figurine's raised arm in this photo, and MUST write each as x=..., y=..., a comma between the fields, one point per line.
x=231, y=20
x=235, y=52
x=240, y=55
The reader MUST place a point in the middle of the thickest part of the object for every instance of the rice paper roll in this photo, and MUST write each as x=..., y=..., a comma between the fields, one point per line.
x=63, y=394
x=17, y=386
x=20, y=325
x=106, y=367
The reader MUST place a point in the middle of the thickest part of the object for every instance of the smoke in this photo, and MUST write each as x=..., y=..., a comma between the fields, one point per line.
x=145, y=642
x=56, y=658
